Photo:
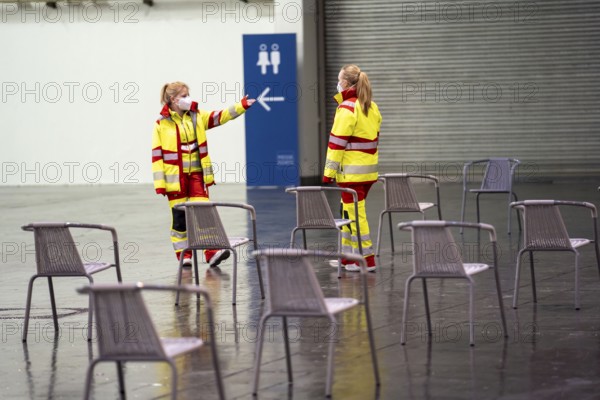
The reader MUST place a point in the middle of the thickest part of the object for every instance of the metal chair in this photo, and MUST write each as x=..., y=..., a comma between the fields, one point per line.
x=206, y=231
x=56, y=255
x=400, y=197
x=313, y=212
x=126, y=333
x=545, y=230
x=437, y=255
x=497, y=178
x=295, y=292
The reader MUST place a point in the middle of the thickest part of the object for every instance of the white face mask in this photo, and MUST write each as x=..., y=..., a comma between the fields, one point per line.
x=185, y=103
x=340, y=89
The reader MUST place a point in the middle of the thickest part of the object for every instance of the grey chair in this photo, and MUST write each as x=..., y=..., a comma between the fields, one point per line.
x=126, y=332
x=545, y=230
x=56, y=255
x=313, y=212
x=400, y=197
x=436, y=255
x=205, y=231
x=295, y=292
x=498, y=176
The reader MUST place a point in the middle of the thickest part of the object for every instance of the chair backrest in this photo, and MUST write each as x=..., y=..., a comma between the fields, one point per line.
x=399, y=194
x=544, y=226
x=55, y=251
x=312, y=209
x=293, y=285
x=204, y=227
x=123, y=324
x=497, y=175
x=435, y=252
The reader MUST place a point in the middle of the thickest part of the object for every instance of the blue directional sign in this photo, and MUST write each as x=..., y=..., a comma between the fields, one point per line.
x=272, y=123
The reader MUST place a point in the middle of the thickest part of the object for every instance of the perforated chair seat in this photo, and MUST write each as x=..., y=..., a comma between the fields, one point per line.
x=436, y=255
x=126, y=332
x=338, y=304
x=545, y=230
x=294, y=291
x=497, y=178
x=313, y=212
x=400, y=197
x=176, y=346
x=475, y=268
x=205, y=231
x=56, y=255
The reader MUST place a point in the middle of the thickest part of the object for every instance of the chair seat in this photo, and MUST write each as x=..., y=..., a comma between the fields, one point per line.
x=338, y=304
x=472, y=269
x=578, y=242
x=342, y=222
x=93, y=267
x=176, y=346
x=237, y=241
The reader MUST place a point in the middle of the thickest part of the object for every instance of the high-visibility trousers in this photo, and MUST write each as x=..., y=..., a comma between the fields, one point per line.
x=349, y=232
x=192, y=189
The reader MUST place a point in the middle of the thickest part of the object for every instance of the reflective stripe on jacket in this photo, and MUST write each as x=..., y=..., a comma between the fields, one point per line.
x=352, y=154
x=179, y=144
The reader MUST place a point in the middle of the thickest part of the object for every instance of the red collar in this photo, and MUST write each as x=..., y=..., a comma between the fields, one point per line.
x=349, y=93
x=166, y=111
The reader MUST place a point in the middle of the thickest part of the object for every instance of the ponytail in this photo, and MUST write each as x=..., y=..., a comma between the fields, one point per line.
x=357, y=78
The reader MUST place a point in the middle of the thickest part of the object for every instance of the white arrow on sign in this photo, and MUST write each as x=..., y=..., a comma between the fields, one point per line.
x=263, y=100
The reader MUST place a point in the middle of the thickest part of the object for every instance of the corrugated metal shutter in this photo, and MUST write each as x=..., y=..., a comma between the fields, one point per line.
x=459, y=81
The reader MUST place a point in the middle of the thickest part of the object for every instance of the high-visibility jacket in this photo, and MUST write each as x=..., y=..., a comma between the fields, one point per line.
x=179, y=144
x=352, y=155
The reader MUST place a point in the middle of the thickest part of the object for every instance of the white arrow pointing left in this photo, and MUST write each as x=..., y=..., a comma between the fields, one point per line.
x=263, y=100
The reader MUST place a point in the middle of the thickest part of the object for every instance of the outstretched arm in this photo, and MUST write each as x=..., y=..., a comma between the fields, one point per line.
x=218, y=118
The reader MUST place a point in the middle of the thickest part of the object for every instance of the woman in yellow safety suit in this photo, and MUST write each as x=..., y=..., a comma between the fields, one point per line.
x=352, y=155
x=181, y=164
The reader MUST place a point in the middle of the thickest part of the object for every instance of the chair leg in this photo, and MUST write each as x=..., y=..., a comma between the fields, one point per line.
x=477, y=206
x=260, y=277
x=500, y=300
x=288, y=358
x=577, y=305
x=28, y=307
x=213, y=349
x=597, y=253
x=173, y=380
x=391, y=231
x=121, y=379
x=426, y=298
x=372, y=345
x=462, y=212
x=339, y=252
x=471, y=325
x=518, y=212
x=304, y=239
x=517, y=277
x=196, y=274
x=258, y=353
x=330, y=357
x=405, y=309
x=379, y=228
x=179, y=271
x=234, y=276
x=532, y=270
x=90, y=311
x=88, y=379
x=53, y=304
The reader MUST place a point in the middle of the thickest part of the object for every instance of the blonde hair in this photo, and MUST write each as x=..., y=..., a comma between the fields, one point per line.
x=171, y=90
x=357, y=78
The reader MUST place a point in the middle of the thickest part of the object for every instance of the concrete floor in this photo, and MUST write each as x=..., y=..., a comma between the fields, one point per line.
x=552, y=350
